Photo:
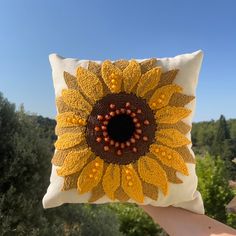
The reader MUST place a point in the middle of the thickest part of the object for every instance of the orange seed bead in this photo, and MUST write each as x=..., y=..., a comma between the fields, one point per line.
x=96, y=128
x=119, y=152
x=98, y=139
x=145, y=138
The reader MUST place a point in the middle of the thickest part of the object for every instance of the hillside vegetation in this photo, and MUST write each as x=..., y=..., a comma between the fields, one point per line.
x=26, y=148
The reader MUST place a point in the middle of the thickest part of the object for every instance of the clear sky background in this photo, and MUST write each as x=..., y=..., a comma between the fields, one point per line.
x=30, y=30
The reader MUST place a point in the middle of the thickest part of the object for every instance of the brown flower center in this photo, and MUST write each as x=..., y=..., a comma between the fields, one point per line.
x=120, y=128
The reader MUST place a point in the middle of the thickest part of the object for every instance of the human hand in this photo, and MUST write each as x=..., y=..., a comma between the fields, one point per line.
x=180, y=222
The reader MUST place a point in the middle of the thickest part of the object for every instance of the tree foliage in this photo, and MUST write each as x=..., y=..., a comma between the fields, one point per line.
x=25, y=152
x=214, y=187
x=217, y=138
x=26, y=147
x=134, y=222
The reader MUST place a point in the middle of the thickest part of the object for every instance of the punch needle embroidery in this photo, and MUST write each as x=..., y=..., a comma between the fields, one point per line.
x=121, y=131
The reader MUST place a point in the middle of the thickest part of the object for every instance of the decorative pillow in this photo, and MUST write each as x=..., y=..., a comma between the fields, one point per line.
x=123, y=132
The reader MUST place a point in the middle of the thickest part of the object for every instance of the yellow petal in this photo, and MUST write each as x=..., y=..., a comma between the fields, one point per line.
x=151, y=172
x=170, y=158
x=90, y=176
x=89, y=84
x=74, y=99
x=148, y=81
x=172, y=138
x=71, y=81
x=74, y=162
x=69, y=119
x=162, y=96
x=68, y=140
x=111, y=180
x=112, y=76
x=62, y=130
x=131, y=183
x=171, y=115
x=132, y=74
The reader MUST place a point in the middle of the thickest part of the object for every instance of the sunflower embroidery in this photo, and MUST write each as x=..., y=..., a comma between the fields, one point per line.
x=120, y=130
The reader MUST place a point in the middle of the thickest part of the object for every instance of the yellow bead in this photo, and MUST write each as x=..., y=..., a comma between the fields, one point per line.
x=159, y=100
x=113, y=75
x=96, y=164
x=128, y=177
x=162, y=96
x=130, y=183
x=74, y=121
x=68, y=119
x=157, y=149
x=154, y=104
x=169, y=157
x=113, y=81
x=163, y=153
x=90, y=175
x=113, y=86
x=94, y=170
x=127, y=171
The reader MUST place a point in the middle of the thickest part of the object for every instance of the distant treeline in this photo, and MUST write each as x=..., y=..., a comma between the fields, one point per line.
x=218, y=138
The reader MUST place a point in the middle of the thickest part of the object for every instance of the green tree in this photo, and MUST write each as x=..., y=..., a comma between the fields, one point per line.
x=25, y=153
x=222, y=134
x=213, y=185
x=232, y=128
x=134, y=222
x=203, y=134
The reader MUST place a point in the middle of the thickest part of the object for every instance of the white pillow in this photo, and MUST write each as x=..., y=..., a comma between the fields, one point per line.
x=124, y=132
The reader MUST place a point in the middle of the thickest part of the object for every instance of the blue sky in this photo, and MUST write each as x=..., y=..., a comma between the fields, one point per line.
x=30, y=30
